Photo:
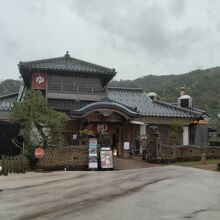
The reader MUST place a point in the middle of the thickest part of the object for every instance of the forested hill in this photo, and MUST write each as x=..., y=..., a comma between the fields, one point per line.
x=9, y=86
x=202, y=85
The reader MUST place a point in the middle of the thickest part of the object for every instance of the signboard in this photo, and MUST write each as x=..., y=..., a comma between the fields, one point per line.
x=126, y=145
x=74, y=136
x=39, y=153
x=93, y=157
x=93, y=162
x=102, y=128
x=106, y=159
x=39, y=81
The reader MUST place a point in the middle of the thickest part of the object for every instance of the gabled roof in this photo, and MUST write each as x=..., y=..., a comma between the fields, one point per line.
x=103, y=105
x=7, y=101
x=130, y=100
x=66, y=63
x=145, y=106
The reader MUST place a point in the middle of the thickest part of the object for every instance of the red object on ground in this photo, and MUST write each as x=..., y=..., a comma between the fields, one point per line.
x=39, y=153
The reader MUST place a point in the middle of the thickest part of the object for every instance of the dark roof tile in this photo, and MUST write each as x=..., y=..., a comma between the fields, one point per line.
x=7, y=101
x=66, y=63
x=147, y=107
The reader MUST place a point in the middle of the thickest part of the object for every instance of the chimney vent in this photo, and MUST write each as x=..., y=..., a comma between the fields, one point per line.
x=182, y=91
x=184, y=101
x=153, y=96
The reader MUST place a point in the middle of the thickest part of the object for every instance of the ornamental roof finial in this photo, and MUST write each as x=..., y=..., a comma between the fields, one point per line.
x=67, y=54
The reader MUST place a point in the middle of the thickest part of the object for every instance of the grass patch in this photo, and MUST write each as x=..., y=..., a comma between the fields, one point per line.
x=210, y=164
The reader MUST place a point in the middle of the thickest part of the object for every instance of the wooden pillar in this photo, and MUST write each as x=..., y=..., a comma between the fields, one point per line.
x=120, y=152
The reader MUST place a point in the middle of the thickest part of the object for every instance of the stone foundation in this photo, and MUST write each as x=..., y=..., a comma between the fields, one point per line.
x=154, y=151
x=187, y=153
x=69, y=158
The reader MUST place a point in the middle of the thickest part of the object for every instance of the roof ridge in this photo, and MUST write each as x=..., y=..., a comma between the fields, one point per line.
x=124, y=88
x=8, y=95
x=66, y=58
x=39, y=60
x=176, y=107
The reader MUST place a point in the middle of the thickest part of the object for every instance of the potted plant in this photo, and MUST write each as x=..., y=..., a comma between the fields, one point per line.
x=84, y=136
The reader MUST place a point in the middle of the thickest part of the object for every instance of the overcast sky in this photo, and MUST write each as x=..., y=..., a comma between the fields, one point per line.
x=135, y=37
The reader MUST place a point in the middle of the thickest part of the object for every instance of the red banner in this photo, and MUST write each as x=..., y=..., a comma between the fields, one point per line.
x=39, y=81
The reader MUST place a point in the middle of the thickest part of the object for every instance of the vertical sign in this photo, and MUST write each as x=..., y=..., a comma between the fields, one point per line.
x=39, y=81
x=106, y=159
x=126, y=145
x=93, y=157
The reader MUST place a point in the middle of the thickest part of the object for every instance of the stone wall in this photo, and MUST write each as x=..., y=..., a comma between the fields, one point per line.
x=71, y=158
x=165, y=133
x=187, y=153
x=154, y=151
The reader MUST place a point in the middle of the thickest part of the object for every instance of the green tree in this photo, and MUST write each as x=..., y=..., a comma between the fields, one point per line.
x=9, y=86
x=215, y=123
x=39, y=124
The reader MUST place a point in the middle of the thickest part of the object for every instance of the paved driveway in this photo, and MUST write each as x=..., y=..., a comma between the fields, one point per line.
x=150, y=193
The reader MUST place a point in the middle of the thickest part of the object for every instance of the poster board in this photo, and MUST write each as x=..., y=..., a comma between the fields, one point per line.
x=106, y=159
x=74, y=136
x=126, y=145
x=93, y=156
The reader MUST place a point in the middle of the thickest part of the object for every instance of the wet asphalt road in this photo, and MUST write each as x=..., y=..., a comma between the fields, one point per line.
x=152, y=193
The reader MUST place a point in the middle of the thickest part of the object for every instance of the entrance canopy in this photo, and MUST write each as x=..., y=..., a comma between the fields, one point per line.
x=105, y=108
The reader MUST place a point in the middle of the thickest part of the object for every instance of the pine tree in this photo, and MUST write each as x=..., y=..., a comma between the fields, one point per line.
x=38, y=121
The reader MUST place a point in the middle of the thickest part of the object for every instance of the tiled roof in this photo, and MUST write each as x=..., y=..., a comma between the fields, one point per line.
x=7, y=101
x=66, y=63
x=101, y=105
x=137, y=98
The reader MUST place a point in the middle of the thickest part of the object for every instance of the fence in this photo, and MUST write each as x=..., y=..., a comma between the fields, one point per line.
x=12, y=164
x=61, y=158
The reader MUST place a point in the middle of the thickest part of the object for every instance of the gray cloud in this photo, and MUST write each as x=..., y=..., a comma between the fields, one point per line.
x=11, y=47
x=177, y=8
x=36, y=7
x=136, y=23
x=145, y=24
x=136, y=37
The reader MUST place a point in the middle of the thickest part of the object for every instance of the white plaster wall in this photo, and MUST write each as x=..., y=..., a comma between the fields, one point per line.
x=185, y=135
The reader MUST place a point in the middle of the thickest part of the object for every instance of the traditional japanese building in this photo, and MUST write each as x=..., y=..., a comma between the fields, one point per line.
x=81, y=90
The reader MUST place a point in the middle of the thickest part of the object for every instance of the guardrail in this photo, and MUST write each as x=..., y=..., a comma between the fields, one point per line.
x=70, y=88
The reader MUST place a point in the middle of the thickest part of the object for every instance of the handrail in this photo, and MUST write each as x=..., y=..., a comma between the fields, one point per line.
x=13, y=141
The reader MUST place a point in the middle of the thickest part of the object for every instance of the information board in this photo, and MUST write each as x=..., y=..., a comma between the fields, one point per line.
x=93, y=157
x=106, y=159
x=126, y=145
